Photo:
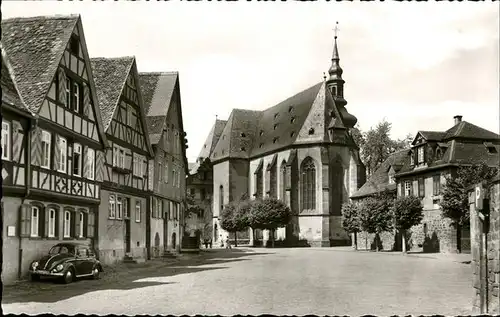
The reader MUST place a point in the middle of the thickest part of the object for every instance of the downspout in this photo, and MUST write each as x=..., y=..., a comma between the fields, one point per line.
x=32, y=124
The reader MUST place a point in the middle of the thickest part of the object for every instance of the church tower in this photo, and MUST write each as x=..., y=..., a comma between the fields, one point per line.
x=335, y=85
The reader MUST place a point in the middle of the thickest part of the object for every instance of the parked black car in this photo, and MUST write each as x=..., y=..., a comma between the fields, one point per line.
x=67, y=261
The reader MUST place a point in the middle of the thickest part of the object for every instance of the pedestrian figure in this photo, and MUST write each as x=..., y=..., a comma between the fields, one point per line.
x=228, y=245
x=210, y=242
x=221, y=241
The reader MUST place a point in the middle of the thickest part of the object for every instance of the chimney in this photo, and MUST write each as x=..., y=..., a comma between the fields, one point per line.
x=458, y=119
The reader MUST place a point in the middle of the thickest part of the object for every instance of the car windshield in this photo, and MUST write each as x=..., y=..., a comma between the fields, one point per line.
x=62, y=249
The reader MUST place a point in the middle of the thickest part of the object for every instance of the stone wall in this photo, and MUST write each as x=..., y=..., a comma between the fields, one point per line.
x=368, y=241
x=486, y=260
x=433, y=234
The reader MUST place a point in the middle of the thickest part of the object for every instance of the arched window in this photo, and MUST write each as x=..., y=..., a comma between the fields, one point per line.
x=308, y=183
x=283, y=181
x=221, y=198
x=273, y=192
x=258, y=183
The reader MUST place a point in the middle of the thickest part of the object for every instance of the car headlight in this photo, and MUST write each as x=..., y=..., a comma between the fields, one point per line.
x=34, y=264
x=59, y=267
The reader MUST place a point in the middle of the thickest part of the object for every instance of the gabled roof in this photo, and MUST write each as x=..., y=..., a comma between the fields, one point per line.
x=110, y=75
x=432, y=135
x=158, y=89
x=379, y=180
x=35, y=46
x=212, y=139
x=10, y=92
x=237, y=136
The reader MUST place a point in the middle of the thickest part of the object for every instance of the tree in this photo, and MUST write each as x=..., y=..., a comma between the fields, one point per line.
x=407, y=213
x=375, y=215
x=454, y=204
x=235, y=217
x=351, y=221
x=376, y=145
x=203, y=215
x=269, y=213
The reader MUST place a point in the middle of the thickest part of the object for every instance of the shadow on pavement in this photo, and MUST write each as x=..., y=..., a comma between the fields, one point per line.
x=122, y=277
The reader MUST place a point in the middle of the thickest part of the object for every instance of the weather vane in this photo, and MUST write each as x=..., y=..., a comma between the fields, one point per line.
x=336, y=29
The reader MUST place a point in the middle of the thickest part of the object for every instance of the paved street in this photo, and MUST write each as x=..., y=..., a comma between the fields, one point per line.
x=257, y=281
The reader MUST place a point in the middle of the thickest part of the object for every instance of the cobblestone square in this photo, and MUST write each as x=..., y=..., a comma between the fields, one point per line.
x=333, y=281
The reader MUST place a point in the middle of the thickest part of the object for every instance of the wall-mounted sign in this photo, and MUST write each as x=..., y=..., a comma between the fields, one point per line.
x=11, y=231
x=479, y=196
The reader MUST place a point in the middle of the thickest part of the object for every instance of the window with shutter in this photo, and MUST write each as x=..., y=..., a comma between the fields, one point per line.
x=61, y=157
x=407, y=188
x=46, y=142
x=436, y=185
x=51, y=223
x=5, y=140
x=112, y=207
x=77, y=159
x=67, y=224
x=35, y=218
x=90, y=163
x=90, y=225
x=119, y=208
x=25, y=215
x=137, y=211
x=421, y=187
x=81, y=224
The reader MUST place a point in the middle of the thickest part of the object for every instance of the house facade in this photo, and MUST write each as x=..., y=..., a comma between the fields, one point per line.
x=300, y=151
x=168, y=167
x=433, y=156
x=122, y=224
x=199, y=185
x=54, y=160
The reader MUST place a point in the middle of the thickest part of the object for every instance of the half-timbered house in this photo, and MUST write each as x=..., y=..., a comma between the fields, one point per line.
x=64, y=146
x=162, y=102
x=125, y=193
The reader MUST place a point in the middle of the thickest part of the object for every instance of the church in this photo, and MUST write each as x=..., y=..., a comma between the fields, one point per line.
x=300, y=151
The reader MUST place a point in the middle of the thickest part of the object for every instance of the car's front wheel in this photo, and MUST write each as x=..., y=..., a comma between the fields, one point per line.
x=95, y=273
x=68, y=276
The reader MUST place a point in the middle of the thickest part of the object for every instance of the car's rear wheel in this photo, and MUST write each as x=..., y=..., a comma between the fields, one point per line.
x=35, y=277
x=96, y=273
x=68, y=276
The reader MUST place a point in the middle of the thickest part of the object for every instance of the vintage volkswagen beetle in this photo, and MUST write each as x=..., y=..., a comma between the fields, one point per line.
x=67, y=261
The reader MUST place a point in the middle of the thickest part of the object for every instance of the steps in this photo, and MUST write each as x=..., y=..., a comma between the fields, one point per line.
x=169, y=254
x=130, y=259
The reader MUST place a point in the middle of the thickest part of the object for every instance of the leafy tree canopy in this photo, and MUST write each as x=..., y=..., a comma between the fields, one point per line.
x=375, y=215
x=351, y=220
x=269, y=213
x=455, y=204
x=407, y=212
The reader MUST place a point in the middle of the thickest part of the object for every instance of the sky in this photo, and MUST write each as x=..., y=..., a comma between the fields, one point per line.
x=416, y=65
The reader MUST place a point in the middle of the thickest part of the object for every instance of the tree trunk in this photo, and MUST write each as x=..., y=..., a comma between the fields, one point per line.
x=459, y=238
x=355, y=241
x=377, y=237
x=366, y=241
x=272, y=238
x=403, y=236
x=235, y=239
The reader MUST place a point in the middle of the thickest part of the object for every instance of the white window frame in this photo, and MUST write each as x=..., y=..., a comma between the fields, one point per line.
x=46, y=143
x=121, y=157
x=63, y=154
x=137, y=211
x=420, y=153
x=5, y=140
x=119, y=207
x=82, y=222
x=112, y=207
x=91, y=163
x=68, y=92
x=35, y=221
x=407, y=188
x=52, y=223
x=76, y=94
x=67, y=224
x=116, y=151
x=77, y=150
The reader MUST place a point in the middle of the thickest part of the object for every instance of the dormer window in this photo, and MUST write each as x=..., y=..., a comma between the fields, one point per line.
x=491, y=147
x=392, y=179
x=420, y=153
x=292, y=120
x=412, y=158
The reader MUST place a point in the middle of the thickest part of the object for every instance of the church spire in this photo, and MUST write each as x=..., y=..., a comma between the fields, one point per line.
x=335, y=82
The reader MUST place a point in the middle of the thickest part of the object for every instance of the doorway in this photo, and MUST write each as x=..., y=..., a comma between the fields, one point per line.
x=174, y=242
x=127, y=235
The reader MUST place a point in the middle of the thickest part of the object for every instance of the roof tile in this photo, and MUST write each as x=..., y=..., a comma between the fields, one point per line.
x=35, y=46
